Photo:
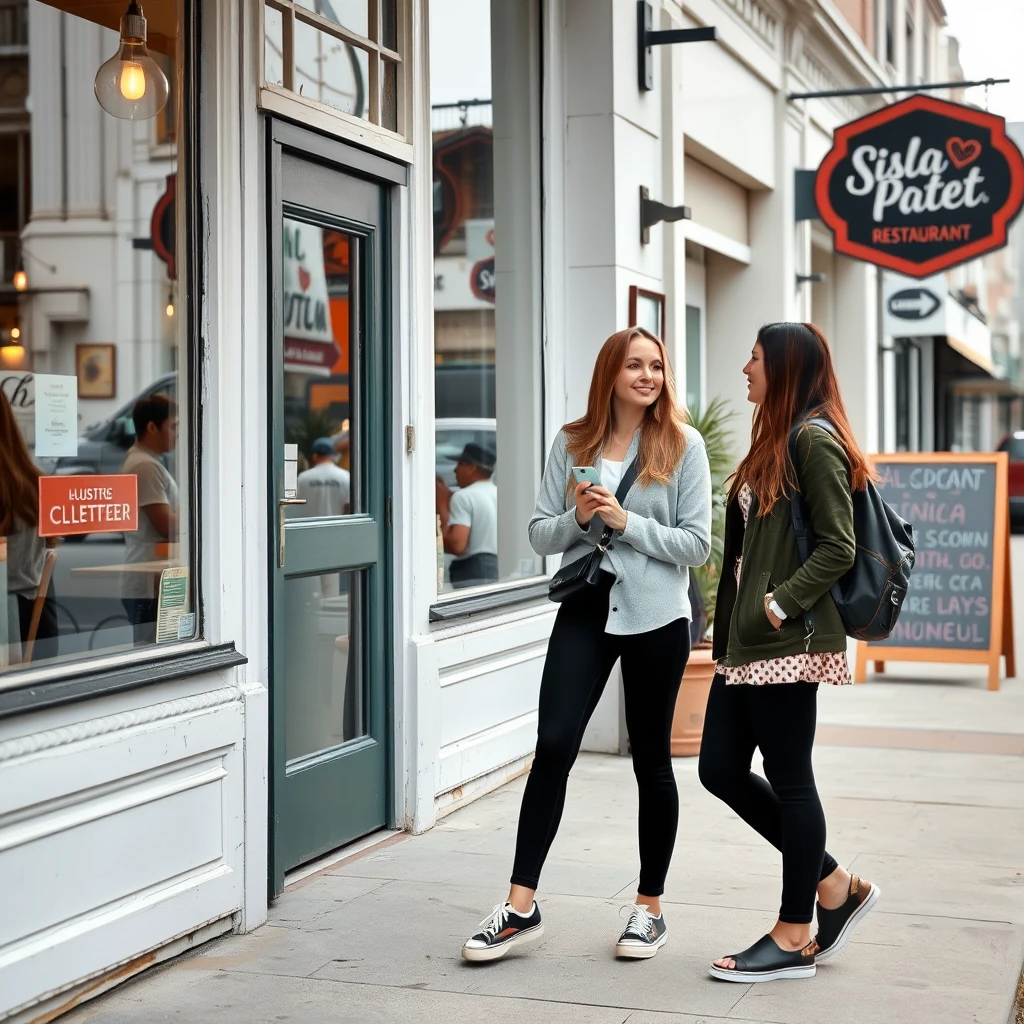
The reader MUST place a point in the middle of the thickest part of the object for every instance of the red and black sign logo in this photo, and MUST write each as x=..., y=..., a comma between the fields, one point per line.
x=920, y=186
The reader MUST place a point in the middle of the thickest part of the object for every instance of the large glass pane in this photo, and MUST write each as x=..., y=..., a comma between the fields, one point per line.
x=325, y=702
x=320, y=389
x=273, y=46
x=331, y=71
x=95, y=414
x=487, y=264
x=352, y=14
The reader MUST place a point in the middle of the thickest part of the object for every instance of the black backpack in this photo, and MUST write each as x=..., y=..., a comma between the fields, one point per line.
x=870, y=595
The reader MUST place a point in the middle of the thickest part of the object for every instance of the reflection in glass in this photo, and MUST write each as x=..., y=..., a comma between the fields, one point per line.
x=389, y=24
x=103, y=593
x=273, y=47
x=331, y=71
x=486, y=290
x=324, y=680
x=319, y=409
x=389, y=101
x=351, y=14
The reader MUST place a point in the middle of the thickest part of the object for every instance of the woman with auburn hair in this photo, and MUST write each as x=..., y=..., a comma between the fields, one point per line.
x=19, y=519
x=769, y=665
x=636, y=610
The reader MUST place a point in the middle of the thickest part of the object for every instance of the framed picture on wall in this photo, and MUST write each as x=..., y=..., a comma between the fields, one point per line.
x=95, y=368
x=647, y=310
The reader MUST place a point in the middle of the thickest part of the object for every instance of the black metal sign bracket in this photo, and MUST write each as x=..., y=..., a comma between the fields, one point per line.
x=646, y=38
x=653, y=212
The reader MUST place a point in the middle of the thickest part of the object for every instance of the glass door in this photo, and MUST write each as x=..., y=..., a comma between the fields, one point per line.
x=329, y=505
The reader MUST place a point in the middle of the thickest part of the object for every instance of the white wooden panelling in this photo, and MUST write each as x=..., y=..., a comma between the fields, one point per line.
x=132, y=828
x=486, y=751
x=490, y=693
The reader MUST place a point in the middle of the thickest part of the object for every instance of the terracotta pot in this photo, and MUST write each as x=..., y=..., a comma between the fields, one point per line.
x=688, y=720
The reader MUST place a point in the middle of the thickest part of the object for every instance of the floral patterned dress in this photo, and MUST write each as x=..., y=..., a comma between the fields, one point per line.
x=828, y=667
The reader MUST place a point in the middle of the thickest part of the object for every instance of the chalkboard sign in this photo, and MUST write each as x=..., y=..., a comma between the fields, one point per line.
x=959, y=598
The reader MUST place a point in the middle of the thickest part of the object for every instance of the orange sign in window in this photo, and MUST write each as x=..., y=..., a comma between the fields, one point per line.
x=88, y=504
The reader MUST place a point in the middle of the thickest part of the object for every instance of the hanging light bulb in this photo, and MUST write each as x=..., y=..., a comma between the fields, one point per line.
x=131, y=85
x=170, y=304
x=16, y=334
x=20, y=280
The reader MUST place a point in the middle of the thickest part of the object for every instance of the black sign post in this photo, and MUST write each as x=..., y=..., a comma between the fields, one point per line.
x=920, y=186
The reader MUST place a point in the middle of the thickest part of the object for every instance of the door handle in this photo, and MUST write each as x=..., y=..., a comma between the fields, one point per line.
x=281, y=505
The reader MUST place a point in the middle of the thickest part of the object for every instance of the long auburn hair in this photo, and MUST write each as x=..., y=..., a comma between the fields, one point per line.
x=800, y=383
x=662, y=441
x=19, y=475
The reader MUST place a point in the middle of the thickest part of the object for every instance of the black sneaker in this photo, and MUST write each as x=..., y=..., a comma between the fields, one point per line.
x=644, y=935
x=502, y=931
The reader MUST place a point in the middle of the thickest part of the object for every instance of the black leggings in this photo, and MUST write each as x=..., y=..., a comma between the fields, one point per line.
x=779, y=718
x=579, y=660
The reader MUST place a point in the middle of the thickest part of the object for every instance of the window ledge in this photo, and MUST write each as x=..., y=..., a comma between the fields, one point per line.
x=462, y=607
x=128, y=674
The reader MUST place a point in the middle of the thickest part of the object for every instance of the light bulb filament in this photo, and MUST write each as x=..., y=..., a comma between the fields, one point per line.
x=133, y=81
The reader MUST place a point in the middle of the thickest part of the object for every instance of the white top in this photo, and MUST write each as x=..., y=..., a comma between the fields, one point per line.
x=327, y=489
x=611, y=475
x=476, y=506
x=156, y=487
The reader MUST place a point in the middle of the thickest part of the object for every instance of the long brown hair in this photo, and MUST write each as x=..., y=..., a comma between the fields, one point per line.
x=662, y=441
x=19, y=475
x=800, y=383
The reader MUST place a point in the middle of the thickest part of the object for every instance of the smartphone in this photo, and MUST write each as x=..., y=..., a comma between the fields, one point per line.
x=586, y=474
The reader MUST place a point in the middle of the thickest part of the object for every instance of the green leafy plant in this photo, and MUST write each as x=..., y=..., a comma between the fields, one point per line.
x=713, y=424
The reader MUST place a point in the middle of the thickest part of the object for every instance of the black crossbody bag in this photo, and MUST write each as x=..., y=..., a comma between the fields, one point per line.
x=576, y=577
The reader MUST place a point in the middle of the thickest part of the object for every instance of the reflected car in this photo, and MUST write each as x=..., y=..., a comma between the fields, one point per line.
x=1013, y=445
x=452, y=435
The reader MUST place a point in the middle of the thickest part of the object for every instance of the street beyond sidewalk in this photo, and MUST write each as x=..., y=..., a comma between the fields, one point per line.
x=923, y=786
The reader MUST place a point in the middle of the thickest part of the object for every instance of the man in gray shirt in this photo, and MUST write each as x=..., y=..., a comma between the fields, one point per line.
x=469, y=518
x=156, y=422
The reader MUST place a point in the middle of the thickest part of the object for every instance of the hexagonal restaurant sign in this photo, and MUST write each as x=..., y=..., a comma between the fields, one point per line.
x=920, y=186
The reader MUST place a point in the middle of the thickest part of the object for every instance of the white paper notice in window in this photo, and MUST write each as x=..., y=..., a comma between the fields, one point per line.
x=56, y=415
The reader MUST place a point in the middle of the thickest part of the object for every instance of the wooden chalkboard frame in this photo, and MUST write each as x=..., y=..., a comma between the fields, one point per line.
x=1001, y=639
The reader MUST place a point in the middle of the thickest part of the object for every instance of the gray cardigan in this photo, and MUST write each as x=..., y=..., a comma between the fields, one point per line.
x=668, y=527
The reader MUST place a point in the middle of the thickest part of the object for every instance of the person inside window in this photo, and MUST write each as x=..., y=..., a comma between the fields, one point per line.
x=469, y=518
x=26, y=550
x=327, y=490
x=156, y=423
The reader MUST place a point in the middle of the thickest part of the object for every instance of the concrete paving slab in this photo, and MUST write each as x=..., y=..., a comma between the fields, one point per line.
x=228, y=998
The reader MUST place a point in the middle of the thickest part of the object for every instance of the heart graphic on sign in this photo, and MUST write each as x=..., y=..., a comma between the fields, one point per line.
x=304, y=278
x=963, y=153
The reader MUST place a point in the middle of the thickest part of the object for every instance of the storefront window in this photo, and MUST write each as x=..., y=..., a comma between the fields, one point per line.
x=484, y=91
x=96, y=453
x=340, y=54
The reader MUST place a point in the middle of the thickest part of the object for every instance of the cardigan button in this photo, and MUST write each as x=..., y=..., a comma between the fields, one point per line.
x=615, y=609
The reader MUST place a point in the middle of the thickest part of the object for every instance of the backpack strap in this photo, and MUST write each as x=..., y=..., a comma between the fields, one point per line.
x=798, y=512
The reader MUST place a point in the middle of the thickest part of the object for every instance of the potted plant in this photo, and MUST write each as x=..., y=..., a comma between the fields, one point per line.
x=688, y=720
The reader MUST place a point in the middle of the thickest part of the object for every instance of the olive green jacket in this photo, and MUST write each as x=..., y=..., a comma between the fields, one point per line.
x=771, y=562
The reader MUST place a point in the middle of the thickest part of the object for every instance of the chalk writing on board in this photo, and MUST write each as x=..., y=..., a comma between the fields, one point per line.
x=952, y=509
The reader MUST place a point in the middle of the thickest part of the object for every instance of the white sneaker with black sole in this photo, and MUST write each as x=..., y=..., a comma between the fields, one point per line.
x=645, y=934
x=505, y=929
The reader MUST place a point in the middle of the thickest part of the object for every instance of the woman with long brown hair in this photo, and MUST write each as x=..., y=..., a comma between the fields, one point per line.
x=19, y=519
x=769, y=665
x=637, y=610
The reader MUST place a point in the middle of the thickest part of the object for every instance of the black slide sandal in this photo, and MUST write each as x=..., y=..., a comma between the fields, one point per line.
x=836, y=926
x=766, y=961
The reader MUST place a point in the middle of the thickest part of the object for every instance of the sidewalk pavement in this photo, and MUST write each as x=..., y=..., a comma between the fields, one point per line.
x=923, y=786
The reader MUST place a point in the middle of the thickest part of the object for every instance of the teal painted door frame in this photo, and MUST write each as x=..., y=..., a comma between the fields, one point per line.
x=322, y=800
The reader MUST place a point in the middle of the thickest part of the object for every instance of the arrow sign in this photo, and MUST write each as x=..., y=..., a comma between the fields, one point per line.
x=914, y=304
